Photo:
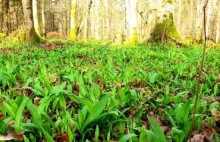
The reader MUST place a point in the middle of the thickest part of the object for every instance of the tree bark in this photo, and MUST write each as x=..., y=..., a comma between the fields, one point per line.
x=97, y=20
x=2, y=18
x=6, y=22
x=43, y=17
x=73, y=21
x=132, y=21
x=35, y=16
x=30, y=34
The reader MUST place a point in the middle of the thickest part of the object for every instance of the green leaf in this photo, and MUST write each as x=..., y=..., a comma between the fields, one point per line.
x=153, y=77
x=3, y=127
x=70, y=135
x=152, y=136
x=62, y=101
x=26, y=139
x=97, y=133
x=89, y=105
x=156, y=129
x=19, y=115
x=143, y=136
x=98, y=108
x=47, y=135
x=9, y=109
x=178, y=135
x=127, y=137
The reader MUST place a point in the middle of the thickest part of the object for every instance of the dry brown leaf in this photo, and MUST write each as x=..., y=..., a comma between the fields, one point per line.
x=142, y=90
x=11, y=135
x=219, y=77
x=132, y=112
x=62, y=138
x=200, y=138
x=118, y=85
x=197, y=138
x=134, y=82
x=101, y=83
x=1, y=115
x=215, y=114
x=207, y=130
x=155, y=118
x=36, y=101
x=27, y=92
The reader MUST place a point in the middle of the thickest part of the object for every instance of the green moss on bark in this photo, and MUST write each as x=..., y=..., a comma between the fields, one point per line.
x=2, y=35
x=29, y=36
x=134, y=39
x=72, y=34
x=166, y=32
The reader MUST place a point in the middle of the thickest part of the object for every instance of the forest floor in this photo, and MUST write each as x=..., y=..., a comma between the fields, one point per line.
x=92, y=92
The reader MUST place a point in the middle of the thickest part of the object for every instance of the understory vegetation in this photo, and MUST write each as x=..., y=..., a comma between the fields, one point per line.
x=90, y=92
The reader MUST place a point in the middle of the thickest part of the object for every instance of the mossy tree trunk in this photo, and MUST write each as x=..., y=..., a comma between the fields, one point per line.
x=132, y=21
x=35, y=16
x=6, y=18
x=165, y=32
x=43, y=17
x=1, y=18
x=30, y=34
x=72, y=36
x=97, y=20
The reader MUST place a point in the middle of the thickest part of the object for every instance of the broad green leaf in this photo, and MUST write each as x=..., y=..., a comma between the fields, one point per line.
x=178, y=134
x=143, y=136
x=88, y=104
x=19, y=115
x=3, y=127
x=9, y=109
x=152, y=137
x=26, y=139
x=96, y=133
x=156, y=129
x=98, y=109
x=153, y=77
x=47, y=135
x=62, y=101
x=127, y=137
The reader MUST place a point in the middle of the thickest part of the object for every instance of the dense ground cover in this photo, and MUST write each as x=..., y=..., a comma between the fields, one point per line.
x=99, y=93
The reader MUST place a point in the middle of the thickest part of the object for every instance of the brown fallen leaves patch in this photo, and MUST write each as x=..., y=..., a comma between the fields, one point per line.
x=200, y=138
x=62, y=138
x=218, y=77
x=165, y=127
x=49, y=46
x=101, y=83
x=11, y=135
x=10, y=50
x=207, y=132
x=215, y=114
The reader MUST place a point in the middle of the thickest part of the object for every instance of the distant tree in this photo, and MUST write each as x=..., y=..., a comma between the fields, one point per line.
x=30, y=34
x=97, y=19
x=72, y=36
x=132, y=20
x=43, y=17
x=35, y=16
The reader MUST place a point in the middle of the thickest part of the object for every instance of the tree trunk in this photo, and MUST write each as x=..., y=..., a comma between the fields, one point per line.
x=43, y=18
x=217, y=38
x=97, y=20
x=6, y=26
x=35, y=16
x=1, y=18
x=107, y=26
x=30, y=34
x=132, y=22
x=73, y=21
